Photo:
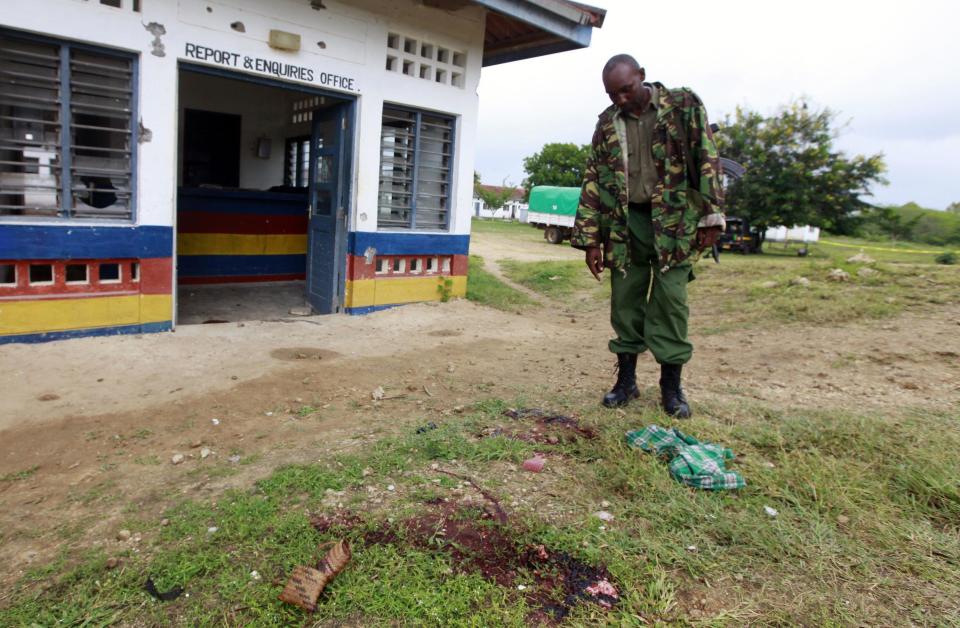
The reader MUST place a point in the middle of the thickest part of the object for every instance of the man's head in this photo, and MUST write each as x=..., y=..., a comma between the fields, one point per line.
x=623, y=81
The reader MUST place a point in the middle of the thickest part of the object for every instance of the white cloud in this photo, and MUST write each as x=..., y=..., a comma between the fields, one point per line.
x=891, y=68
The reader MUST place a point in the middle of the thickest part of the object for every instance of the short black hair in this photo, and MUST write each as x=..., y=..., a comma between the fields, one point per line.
x=620, y=59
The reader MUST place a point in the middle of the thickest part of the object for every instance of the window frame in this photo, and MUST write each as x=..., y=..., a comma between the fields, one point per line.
x=451, y=194
x=64, y=147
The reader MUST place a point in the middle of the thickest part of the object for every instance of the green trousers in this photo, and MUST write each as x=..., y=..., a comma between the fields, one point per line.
x=648, y=309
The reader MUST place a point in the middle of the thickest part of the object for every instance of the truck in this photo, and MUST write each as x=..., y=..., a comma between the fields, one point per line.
x=554, y=210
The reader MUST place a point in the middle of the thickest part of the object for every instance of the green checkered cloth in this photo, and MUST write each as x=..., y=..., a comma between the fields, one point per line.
x=696, y=464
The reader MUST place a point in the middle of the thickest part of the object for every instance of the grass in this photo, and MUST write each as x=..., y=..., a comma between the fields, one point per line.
x=866, y=530
x=485, y=289
x=551, y=278
x=18, y=476
x=513, y=230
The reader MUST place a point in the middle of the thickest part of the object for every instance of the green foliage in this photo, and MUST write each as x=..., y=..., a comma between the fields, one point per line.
x=912, y=222
x=954, y=207
x=795, y=175
x=557, y=164
x=948, y=257
x=485, y=289
x=445, y=288
x=551, y=278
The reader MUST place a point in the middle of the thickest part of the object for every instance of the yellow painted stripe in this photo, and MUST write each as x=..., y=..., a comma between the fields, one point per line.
x=878, y=248
x=241, y=244
x=367, y=292
x=24, y=317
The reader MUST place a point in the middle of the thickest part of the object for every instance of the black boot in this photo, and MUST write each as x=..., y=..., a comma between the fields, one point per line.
x=674, y=401
x=626, y=387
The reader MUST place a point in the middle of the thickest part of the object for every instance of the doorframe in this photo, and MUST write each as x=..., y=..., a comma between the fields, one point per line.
x=349, y=152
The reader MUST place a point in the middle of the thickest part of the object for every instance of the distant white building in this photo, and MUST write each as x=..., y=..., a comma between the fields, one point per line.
x=513, y=209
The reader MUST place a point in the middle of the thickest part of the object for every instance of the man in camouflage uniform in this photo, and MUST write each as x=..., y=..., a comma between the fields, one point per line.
x=650, y=203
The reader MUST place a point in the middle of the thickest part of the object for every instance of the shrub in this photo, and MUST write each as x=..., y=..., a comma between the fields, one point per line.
x=947, y=257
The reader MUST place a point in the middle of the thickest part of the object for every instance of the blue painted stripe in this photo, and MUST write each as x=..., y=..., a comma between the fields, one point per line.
x=146, y=328
x=359, y=311
x=390, y=243
x=238, y=202
x=63, y=242
x=227, y=265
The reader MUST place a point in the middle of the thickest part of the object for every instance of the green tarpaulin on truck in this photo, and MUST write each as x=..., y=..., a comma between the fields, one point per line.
x=554, y=200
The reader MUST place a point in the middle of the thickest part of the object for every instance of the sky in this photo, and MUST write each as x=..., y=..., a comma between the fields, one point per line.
x=891, y=70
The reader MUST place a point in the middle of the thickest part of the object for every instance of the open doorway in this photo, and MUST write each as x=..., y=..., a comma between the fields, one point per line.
x=262, y=198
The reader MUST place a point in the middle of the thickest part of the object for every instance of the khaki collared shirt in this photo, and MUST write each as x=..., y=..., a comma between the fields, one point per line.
x=641, y=171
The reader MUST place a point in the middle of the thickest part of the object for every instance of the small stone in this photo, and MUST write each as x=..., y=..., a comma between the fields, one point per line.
x=195, y=444
x=124, y=535
x=691, y=548
x=212, y=529
x=268, y=413
x=234, y=458
x=215, y=421
x=800, y=281
x=604, y=504
x=377, y=393
x=458, y=409
x=48, y=397
x=164, y=522
x=451, y=368
x=838, y=274
x=603, y=515
x=552, y=440
x=112, y=562
x=391, y=487
x=867, y=272
x=205, y=452
x=860, y=258
x=766, y=285
x=254, y=575
x=367, y=472
x=772, y=512
x=234, y=377
x=434, y=466
x=301, y=311
x=521, y=587
x=177, y=459
x=843, y=520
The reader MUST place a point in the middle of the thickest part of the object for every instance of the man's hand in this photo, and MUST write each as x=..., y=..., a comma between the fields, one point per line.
x=707, y=237
x=595, y=261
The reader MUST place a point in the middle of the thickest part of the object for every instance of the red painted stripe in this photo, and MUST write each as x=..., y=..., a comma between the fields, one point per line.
x=242, y=279
x=156, y=275
x=251, y=224
x=358, y=268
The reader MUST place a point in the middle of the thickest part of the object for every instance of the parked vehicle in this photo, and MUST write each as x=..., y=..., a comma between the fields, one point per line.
x=554, y=210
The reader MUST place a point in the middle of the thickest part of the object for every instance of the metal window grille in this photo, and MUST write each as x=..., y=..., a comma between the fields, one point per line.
x=297, y=168
x=416, y=158
x=67, y=131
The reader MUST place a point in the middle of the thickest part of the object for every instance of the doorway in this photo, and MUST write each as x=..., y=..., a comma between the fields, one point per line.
x=263, y=197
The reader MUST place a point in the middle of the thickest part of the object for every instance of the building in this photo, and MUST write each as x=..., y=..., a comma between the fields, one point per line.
x=514, y=209
x=151, y=145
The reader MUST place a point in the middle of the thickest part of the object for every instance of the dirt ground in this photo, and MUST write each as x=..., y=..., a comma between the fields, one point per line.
x=91, y=425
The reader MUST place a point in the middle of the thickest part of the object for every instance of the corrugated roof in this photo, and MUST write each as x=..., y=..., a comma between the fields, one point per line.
x=521, y=29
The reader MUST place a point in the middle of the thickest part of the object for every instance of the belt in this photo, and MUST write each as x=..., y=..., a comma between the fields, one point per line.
x=641, y=207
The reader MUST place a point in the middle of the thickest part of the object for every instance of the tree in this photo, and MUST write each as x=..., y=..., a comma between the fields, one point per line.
x=794, y=174
x=954, y=207
x=556, y=164
x=494, y=197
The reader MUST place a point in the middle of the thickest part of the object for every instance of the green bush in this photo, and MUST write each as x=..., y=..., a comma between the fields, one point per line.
x=947, y=257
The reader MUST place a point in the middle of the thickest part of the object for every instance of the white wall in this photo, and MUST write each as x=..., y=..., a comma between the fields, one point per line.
x=354, y=38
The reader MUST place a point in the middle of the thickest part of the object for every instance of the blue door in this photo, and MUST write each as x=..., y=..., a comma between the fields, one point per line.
x=329, y=194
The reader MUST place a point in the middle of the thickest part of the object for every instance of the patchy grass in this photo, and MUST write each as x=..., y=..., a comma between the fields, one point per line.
x=551, y=278
x=842, y=247
x=18, y=476
x=866, y=530
x=750, y=291
x=513, y=230
x=486, y=289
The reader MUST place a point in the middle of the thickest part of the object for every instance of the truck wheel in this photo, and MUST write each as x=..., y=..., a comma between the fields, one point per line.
x=553, y=235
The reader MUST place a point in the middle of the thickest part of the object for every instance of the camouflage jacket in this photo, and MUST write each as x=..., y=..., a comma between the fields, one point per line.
x=676, y=212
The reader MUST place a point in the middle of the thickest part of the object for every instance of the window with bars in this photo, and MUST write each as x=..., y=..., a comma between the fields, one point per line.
x=67, y=130
x=297, y=162
x=416, y=157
